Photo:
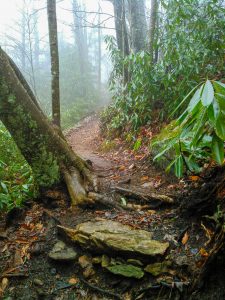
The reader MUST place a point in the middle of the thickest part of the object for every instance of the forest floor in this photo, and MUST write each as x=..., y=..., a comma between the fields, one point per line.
x=27, y=235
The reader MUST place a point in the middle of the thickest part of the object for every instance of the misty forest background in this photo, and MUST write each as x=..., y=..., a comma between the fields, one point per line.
x=84, y=63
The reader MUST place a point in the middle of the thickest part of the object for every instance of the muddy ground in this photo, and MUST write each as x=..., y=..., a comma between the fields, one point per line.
x=27, y=235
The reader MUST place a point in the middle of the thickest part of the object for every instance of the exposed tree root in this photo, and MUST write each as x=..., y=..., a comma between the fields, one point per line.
x=144, y=196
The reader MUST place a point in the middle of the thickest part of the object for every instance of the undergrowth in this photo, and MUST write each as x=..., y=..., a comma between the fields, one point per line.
x=189, y=48
x=16, y=178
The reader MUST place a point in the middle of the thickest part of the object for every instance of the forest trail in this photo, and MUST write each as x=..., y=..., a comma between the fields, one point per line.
x=31, y=234
x=84, y=139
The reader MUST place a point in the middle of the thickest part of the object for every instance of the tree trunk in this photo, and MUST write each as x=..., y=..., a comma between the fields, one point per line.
x=53, y=40
x=138, y=24
x=99, y=51
x=80, y=38
x=152, y=27
x=121, y=27
x=47, y=152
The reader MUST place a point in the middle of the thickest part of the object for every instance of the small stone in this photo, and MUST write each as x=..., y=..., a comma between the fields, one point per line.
x=88, y=272
x=41, y=292
x=38, y=282
x=85, y=261
x=126, y=271
x=181, y=261
x=158, y=268
x=62, y=253
x=105, y=261
x=53, y=271
x=96, y=260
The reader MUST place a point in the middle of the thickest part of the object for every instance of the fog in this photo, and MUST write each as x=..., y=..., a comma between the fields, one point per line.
x=84, y=73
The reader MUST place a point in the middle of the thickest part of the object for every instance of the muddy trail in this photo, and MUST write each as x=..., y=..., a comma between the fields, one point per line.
x=142, y=248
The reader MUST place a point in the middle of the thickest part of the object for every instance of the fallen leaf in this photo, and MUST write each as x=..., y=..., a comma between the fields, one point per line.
x=5, y=282
x=194, y=178
x=144, y=178
x=139, y=157
x=151, y=211
x=185, y=238
x=39, y=226
x=122, y=168
x=73, y=280
x=17, y=258
x=203, y=252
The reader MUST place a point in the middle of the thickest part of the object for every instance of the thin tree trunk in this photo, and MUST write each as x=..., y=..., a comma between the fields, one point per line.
x=99, y=51
x=48, y=154
x=152, y=27
x=52, y=25
x=80, y=38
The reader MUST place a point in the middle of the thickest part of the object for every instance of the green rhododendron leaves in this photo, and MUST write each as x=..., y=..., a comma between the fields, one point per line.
x=219, y=87
x=217, y=150
x=195, y=100
x=221, y=102
x=179, y=166
x=211, y=115
x=207, y=94
x=220, y=126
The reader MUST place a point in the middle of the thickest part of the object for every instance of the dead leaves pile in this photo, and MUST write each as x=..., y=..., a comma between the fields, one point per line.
x=17, y=247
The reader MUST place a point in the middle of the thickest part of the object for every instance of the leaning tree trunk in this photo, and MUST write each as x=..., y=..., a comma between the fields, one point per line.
x=47, y=152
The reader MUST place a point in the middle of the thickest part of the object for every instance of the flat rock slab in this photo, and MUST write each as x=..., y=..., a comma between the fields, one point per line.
x=114, y=236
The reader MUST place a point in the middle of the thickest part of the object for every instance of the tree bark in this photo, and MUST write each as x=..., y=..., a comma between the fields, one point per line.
x=53, y=40
x=99, y=51
x=121, y=27
x=152, y=27
x=47, y=152
x=138, y=24
x=80, y=39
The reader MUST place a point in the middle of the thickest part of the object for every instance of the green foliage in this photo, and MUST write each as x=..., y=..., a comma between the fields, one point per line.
x=189, y=47
x=137, y=144
x=198, y=134
x=16, y=178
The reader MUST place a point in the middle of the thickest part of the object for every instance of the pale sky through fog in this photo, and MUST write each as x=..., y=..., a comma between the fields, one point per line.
x=9, y=14
x=10, y=17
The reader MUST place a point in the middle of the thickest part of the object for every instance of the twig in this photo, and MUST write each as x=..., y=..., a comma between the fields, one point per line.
x=98, y=289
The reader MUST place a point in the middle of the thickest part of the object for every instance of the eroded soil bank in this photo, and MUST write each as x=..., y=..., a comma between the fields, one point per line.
x=39, y=260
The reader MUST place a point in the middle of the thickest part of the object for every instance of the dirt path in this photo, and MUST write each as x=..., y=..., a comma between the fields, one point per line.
x=84, y=139
x=30, y=233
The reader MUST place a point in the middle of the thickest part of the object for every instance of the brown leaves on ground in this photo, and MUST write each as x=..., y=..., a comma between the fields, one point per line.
x=17, y=247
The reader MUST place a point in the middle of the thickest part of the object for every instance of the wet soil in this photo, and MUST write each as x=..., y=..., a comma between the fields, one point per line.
x=30, y=233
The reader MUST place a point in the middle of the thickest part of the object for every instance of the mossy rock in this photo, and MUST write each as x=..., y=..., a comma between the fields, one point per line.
x=114, y=237
x=158, y=268
x=126, y=271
